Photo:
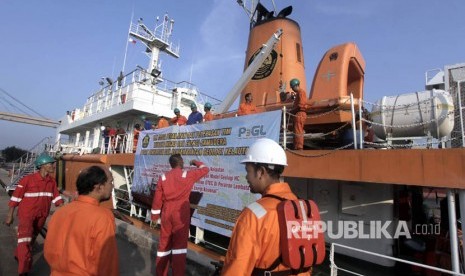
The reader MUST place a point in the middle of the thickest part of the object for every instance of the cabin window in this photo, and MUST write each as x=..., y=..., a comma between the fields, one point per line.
x=299, y=54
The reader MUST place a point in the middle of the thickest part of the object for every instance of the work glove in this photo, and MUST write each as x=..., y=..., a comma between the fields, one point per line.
x=194, y=162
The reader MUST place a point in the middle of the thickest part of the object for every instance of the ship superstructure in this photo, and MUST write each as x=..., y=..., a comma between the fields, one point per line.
x=143, y=94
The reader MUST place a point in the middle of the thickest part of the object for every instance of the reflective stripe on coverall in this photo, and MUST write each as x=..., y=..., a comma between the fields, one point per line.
x=300, y=105
x=33, y=197
x=255, y=238
x=172, y=201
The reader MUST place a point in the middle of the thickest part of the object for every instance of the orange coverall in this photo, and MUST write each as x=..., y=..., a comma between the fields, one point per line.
x=162, y=123
x=180, y=121
x=246, y=108
x=33, y=197
x=255, y=238
x=300, y=107
x=135, y=139
x=208, y=116
x=172, y=201
x=81, y=240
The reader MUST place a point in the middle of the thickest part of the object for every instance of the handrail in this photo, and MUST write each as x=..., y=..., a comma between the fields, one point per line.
x=334, y=267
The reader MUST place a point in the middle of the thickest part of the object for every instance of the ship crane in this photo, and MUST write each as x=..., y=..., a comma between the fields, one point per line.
x=24, y=118
x=249, y=72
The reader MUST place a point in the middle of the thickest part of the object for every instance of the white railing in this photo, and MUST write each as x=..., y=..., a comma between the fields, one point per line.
x=139, y=85
x=335, y=268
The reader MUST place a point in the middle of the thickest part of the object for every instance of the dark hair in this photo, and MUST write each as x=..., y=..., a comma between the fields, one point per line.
x=89, y=177
x=247, y=95
x=175, y=160
x=274, y=172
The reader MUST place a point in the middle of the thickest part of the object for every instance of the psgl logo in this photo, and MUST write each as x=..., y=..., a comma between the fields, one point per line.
x=255, y=131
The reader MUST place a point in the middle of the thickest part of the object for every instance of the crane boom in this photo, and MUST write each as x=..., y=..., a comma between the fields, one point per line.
x=20, y=118
x=249, y=72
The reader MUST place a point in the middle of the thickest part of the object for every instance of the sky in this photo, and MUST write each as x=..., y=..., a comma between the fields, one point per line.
x=54, y=52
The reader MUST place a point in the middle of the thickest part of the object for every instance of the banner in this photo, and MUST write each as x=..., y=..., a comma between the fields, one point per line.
x=219, y=197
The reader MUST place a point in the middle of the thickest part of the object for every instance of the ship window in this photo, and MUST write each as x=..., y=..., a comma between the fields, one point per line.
x=299, y=55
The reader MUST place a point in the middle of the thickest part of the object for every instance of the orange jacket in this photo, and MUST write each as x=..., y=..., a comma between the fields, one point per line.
x=246, y=108
x=208, y=116
x=181, y=121
x=162, y=123
x=300, y=104
x=255, y=238
x=81, y=240
x=34, y=196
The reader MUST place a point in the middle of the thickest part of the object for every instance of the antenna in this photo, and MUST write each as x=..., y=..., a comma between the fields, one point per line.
x=127, y=40
x=251, y=8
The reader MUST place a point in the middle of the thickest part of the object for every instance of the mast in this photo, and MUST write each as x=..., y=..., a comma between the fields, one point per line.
x=156, y=41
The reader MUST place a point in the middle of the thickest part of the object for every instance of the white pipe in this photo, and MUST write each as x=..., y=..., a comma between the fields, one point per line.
x=462, y=218
x=284, y=128
x=353, y=120
x=460, y=111
x=453, y=231
x=360, y=127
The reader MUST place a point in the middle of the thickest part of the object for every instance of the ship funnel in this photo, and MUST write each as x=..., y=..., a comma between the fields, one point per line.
x=284, y=63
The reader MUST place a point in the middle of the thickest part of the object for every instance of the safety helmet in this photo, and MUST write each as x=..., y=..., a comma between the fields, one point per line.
x=176, y=110
x=294, y=82
x=208, y=105
x=193, y=105
x=265, y=151
x=43, y=159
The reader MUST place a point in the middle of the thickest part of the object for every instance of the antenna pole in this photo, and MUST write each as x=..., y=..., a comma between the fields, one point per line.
x=127, y=41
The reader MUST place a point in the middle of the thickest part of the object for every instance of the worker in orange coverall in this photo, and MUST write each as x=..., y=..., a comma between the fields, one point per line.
x=135, y=137
x=81, y=236
x=254, y=246
x=33, y=197
x=162, y=123
x=179, y=119
x=248, y=107
x=299, y=109
x=171, y=200
x=208, y=114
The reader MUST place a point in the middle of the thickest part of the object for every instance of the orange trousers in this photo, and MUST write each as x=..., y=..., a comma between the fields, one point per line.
x=299, y=121
x=28, y=229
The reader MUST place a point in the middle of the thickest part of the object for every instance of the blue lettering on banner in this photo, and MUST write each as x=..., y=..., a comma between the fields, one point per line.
x=255, y=131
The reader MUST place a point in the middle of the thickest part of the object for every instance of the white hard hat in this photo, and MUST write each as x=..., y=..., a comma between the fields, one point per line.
x=265, y=151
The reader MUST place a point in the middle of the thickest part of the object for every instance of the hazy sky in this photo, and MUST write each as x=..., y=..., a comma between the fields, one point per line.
x=54, y=52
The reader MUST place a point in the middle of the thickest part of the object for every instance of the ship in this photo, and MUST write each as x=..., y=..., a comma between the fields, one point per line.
x=394, y=163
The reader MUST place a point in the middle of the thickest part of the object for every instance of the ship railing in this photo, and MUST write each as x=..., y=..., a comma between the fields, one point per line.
x=120, y=143
x=363, y=132
x=137, y=85
x=335, y=268
x=357, y=143
x=25, y=164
